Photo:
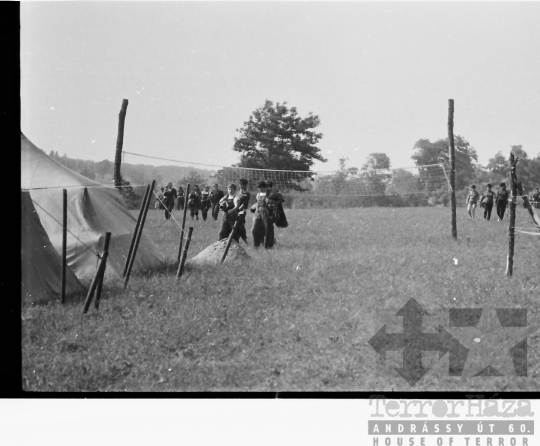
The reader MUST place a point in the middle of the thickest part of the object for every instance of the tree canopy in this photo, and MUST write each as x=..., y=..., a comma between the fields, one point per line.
x=428, y=152
x=275, y=137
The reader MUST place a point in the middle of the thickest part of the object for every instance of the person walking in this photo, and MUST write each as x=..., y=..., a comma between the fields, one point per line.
x=181, y=199
x=487, y=200
x=205, y=202
x=263, y=225
x=194, y=201
x=472, y=200
x=242, y=207
x=536, y=198
x=161, y=196
x=501, y=200
x=229, y=204
x=169, y=196
x=215, y=197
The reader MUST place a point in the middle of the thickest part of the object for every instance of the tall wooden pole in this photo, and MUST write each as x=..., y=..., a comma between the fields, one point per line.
x=130, y=252
x=512, y=224
x=183, y=224
x=184, y=255
x=64, y=245
x=138, y=239
x=452, y=166
x=119, y=144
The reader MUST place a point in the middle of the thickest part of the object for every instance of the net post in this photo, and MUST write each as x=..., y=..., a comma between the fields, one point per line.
x=186, y=195
x=119, y=144
x=452, y=166
x=512, y=225
x=64, y=245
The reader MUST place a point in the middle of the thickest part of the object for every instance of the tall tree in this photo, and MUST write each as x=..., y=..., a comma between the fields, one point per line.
x=275, y=137
x=428, y=152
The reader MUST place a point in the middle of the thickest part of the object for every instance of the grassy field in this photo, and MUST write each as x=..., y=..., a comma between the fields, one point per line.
x=298, y=317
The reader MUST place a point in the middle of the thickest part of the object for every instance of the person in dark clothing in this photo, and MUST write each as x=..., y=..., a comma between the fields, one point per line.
x=242, y=206
x=263, y=225
x=168, y=198
x=501, y=200
x=229, y=205
x=181, y=198
x=536, y=199
x=205, y=202
x=487, y=200
x=194, y=200
x=215, y=196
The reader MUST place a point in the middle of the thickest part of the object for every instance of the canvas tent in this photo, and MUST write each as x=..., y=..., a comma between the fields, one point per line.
x=41, y=264
x=93, y=209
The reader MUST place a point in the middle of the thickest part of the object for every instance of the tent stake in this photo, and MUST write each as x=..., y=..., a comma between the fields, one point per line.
x=97, y=276
x=184, y=255
x=130, y=252
x=138, y=239
x=183, y=224
x=64, y=245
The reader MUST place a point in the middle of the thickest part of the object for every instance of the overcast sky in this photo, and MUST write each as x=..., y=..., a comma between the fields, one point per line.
x=379, y=75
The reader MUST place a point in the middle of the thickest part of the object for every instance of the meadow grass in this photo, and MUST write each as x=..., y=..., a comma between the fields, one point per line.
x=295, y=318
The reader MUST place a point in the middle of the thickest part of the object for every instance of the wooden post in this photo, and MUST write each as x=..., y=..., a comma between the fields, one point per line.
x=137, y=240
x=184, y=255
x=452, y=166
x=64, y=245
x=183, y=224
x=119, y=144
x=130, y=252
x=229, y=240
x=104, y=257
x=527, y=204
x=512, y=225
x=97, y=276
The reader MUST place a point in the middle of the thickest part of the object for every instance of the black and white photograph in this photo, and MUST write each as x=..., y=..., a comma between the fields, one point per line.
x=279, y=197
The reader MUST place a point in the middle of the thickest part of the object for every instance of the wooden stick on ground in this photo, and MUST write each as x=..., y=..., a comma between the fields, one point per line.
x=104, y=257
x=229, y=240
x=139, y=218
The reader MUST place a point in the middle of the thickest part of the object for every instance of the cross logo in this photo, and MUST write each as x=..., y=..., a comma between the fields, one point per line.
x=413, y=341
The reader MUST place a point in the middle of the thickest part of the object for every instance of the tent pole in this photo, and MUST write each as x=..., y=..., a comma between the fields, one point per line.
x=184, y=255
x=119, y=144
x=102, y=274
x=130, y=252
x=64, y=244
x=97, y=276
x=138, y=239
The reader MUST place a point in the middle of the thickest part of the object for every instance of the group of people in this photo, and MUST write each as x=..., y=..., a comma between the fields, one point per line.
x=267, y=209
x=489, y=198
x=196, y=201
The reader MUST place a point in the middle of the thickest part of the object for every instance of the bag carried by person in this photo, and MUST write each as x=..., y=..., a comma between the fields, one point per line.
x=279, y=217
